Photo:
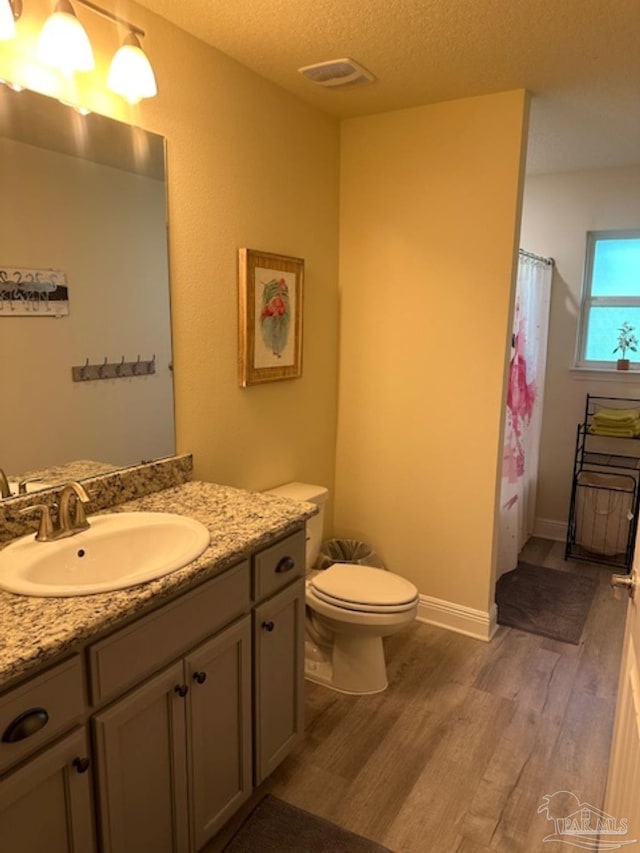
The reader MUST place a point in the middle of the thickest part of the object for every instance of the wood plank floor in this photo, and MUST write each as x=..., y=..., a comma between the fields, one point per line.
x=457, y=754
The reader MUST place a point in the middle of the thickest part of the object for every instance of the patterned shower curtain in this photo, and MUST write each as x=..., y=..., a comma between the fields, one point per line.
x=524, y=407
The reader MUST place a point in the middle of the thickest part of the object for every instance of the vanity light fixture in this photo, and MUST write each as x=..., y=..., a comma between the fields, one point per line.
x=130, y=73
x=10, y=11
x=64, y=43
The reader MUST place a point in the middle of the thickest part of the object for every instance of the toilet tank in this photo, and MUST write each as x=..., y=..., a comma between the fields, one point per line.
x=314, y=495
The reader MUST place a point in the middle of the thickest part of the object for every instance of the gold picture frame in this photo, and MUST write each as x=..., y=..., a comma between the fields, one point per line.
x=270, y=294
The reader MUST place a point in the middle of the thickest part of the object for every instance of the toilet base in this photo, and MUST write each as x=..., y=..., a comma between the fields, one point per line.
x=357, y=666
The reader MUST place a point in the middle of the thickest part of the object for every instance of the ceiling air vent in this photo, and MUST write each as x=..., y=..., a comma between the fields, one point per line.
x=337, y=72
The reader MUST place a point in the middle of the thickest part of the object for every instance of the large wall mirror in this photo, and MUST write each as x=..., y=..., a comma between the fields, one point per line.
x=86, y=196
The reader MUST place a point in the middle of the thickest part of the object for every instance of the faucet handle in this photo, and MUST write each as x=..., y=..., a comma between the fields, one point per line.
x=45, y=527
x=79, y=517
x=22, y=484
x=5, y=491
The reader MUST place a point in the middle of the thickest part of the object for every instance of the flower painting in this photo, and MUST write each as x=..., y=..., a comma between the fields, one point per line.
x=270, y=317
x=274, y=298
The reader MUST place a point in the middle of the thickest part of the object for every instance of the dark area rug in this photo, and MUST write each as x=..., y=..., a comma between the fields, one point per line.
x=280, y=827
x=548, y=602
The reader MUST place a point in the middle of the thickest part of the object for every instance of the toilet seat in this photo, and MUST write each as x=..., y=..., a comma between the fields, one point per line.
x=364, y=589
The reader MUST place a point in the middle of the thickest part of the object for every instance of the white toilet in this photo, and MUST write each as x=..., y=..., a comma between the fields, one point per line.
x=350, y=608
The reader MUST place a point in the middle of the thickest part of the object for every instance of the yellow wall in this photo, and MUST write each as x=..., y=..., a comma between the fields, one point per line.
x=248, y=165
x=429, y=215
x=428, y=230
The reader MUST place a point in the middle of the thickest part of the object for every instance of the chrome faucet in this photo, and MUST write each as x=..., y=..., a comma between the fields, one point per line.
x=5, y=491
x=48, y=531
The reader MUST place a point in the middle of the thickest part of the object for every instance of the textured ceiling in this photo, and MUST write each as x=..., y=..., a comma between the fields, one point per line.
x=580, y=59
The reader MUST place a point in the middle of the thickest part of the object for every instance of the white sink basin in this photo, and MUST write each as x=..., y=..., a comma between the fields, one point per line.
x=119, y=550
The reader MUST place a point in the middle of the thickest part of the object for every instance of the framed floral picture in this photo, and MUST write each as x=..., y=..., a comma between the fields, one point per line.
x=270, y=290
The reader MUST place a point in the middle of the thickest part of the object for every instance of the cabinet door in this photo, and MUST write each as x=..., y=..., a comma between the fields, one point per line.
x=141, y=765
x=278, y=674
x=46, y=805
x=219, y=729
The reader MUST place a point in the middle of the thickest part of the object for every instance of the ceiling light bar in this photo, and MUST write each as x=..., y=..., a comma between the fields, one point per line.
x=64, y=44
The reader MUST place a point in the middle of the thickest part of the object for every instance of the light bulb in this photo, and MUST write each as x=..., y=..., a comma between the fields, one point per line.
x=7, y=20
x=64, y=43
x=131, y=74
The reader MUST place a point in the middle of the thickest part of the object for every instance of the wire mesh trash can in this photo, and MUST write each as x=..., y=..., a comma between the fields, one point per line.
x=347, y=551
x=604, y=512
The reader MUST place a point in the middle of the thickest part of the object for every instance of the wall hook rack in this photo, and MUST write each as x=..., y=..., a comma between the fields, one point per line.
x=113, y=369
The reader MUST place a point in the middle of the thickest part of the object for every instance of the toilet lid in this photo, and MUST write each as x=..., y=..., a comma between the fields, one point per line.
x=364, y=588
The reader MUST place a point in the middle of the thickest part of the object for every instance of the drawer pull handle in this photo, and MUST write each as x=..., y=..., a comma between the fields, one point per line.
x=286, y=564
x=200, y=677
x=25, y=725
x=81, y=764
x=268, y=626
x=181, y=690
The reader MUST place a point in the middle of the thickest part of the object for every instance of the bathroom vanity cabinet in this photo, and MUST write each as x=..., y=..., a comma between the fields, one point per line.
x=157, y=732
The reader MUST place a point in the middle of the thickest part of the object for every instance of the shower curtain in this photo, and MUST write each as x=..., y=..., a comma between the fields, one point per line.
x=524, y=407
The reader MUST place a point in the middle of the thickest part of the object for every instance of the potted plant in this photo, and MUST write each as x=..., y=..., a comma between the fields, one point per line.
x=626, y=341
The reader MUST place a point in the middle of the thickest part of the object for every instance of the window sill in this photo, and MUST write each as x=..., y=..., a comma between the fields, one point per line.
x=606, y=374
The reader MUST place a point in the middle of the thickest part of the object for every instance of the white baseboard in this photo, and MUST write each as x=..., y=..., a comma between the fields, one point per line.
x=546, y=528
x=456, y=617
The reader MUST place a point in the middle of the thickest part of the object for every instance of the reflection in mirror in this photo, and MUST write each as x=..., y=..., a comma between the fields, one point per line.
x=84, y=195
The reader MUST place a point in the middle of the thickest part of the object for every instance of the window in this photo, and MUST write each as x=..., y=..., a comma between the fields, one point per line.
x=610, y=296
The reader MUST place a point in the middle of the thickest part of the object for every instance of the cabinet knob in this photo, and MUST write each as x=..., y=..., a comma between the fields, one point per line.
x=25, y=725
x=81, y=764
x=181, y=690
x=268, y=626
x=200, y=677
x=286, y=564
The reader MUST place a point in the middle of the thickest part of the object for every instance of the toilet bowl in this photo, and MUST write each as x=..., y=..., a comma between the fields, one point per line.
x=349, y=609
x=352, y=607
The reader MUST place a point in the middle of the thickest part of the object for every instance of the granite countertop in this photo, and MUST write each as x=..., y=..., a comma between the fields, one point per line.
x=35, y=630
x=77, y=470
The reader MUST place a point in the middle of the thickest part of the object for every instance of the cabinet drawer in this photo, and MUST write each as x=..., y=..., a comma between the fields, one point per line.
x=278, y=565
x=33, y=714
x=134, y=652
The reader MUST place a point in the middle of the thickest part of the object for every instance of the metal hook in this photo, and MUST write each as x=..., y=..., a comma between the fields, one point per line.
x=120, y=368
x=85, y=370
x=103, y=368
